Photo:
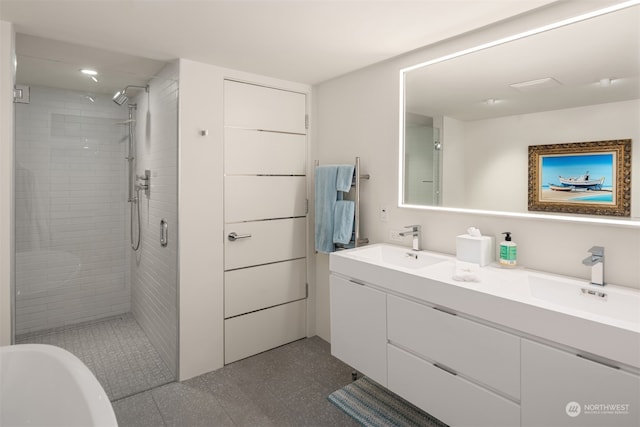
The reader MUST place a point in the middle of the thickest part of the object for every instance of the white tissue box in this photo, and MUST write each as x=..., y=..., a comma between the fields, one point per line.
x=478, y=250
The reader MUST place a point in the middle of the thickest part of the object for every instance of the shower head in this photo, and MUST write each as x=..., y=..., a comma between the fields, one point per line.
x=121, y=96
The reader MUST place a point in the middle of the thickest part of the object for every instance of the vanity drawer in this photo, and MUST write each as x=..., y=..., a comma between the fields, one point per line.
x=451, y=399
x=561, y=388
x=488, y=356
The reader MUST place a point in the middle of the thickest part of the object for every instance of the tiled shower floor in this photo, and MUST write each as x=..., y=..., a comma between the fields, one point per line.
x=116, y=350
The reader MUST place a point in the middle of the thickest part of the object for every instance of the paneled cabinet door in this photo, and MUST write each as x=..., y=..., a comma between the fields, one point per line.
x=359, y=327
x=563, y=389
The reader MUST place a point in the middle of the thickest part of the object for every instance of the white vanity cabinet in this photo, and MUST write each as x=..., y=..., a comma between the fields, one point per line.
x=460, y=371
x=359, y=327
x=560, y=388
x=492, y=353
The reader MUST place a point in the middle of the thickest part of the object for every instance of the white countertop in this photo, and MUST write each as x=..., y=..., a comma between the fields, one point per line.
x=531, y=303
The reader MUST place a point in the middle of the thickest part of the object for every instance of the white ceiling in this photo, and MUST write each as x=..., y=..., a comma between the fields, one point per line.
x=577, y=56
x=302, y=41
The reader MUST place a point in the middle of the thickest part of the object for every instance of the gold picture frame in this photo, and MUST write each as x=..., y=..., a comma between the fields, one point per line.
x=591, y=178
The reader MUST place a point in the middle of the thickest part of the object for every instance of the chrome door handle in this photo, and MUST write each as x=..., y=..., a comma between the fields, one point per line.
x=233, y=236
x=164, y=233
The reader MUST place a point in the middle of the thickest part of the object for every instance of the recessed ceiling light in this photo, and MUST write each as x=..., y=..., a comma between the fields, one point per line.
x=606, y=82
x=89, y=72
x=536, y=84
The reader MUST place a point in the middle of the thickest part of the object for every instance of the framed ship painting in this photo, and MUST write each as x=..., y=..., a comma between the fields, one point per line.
x=592, y=178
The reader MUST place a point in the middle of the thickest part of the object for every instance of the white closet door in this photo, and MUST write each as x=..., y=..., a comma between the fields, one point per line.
x=246, y=153
x=257, y=107
x=265, y=215
x=250, y=198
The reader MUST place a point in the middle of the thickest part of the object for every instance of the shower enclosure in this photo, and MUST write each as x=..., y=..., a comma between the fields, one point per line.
x=422, y=158
x=94, y=179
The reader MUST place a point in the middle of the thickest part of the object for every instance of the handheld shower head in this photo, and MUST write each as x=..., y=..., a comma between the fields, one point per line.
x=121, y=96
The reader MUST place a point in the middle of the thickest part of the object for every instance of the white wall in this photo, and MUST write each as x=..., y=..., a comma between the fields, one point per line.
x=357, y=115
x=70, y=201
x=201, y=220
x=200, y=216
x=7, y=80
x=154, y=277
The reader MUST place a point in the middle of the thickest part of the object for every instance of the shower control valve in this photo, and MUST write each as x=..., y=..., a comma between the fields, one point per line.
x=145, y=183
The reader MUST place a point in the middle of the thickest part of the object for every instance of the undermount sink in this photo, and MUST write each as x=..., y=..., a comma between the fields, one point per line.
x=398, y=256
x=610, y=301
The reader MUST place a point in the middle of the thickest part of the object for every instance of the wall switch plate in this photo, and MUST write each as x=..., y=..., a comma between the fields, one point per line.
x=395, y=235
x=384, y=214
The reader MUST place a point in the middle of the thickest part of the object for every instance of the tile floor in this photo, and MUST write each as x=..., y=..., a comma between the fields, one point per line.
x=116, y=350
x=286, y=386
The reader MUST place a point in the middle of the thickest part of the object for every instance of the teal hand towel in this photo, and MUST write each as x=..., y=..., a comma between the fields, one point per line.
x=345, y=177
x=343, y=221
x=325, y=201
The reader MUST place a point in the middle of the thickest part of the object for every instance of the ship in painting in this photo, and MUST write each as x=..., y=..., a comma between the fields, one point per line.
x=582, y=182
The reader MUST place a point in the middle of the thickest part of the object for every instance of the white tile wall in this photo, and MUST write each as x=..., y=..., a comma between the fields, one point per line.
x=70, y=210
x=154, y=269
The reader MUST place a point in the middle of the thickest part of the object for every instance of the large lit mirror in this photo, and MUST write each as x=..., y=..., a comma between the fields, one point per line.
x=468, y=118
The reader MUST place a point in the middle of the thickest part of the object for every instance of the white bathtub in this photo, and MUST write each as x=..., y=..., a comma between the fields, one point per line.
x=44, y=385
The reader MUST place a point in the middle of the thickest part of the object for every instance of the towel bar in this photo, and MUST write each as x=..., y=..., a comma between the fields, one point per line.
x=357, y=240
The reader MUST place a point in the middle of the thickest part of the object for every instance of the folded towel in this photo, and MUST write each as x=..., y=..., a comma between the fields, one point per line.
x=331, y=182
x=345, y=177
x=466, y=272
x=343, y=219
x=325, y=201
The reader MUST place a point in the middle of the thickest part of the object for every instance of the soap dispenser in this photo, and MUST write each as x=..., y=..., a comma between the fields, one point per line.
x=508, y=251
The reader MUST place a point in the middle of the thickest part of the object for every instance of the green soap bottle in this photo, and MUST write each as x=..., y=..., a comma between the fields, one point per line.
x=508, y=251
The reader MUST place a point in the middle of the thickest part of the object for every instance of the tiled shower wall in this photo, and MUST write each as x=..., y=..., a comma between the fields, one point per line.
x=154, y=269
x=70, y=210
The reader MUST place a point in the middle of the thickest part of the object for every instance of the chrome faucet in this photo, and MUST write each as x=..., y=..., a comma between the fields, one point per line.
x=415, y=232
x=596, y=262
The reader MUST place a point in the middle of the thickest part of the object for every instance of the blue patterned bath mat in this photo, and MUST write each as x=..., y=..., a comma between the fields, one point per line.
x=374, y=406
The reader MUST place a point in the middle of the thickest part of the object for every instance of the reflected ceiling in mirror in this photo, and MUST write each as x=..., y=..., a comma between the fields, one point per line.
x=475, y=112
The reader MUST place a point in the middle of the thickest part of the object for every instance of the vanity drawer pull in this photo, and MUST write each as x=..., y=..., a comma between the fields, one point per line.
x=445, y=311
x=356, y=282
x=445, y=368
x=600, y=362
